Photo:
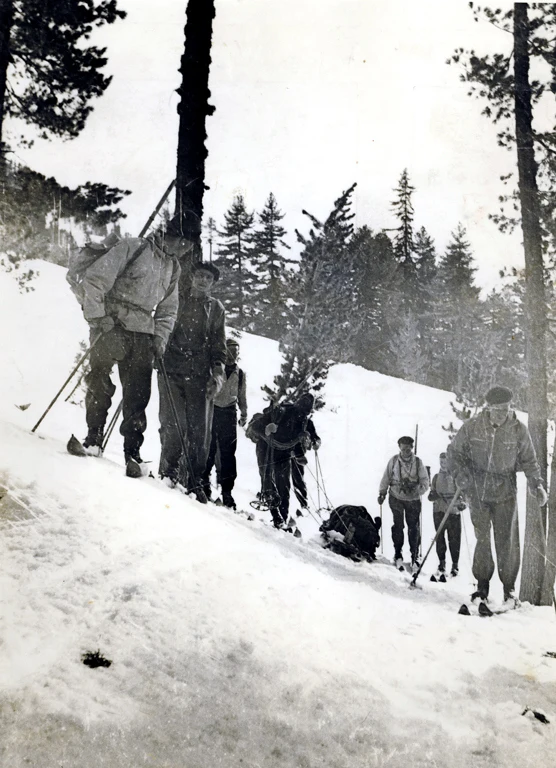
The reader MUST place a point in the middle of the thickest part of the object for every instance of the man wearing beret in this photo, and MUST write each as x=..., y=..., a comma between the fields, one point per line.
x=483, y=458
x=408, y=479
x=194, y=360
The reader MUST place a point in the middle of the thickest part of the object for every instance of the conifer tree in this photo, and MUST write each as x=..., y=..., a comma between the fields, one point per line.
x=272, y=270
x=48, y=72
x=404, y=242
x=237, y=278
x=324, y=304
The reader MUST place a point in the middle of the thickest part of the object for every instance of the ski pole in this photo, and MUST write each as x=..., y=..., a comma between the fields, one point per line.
x=381, y=533
x=200, y=492
x=66, y=382
x=111, y=425
x=79, y=380
x=437, y=534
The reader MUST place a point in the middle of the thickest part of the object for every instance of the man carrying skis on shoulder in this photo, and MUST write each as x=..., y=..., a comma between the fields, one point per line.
x=130, y=300
x=484, y=457
x=443, y=490
x=407, y=480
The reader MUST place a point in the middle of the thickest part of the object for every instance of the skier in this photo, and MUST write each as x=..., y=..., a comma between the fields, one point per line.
x=483, y=459
x=130, y=296
x=224, y=426
x=277, y=431
x=443, y=489
x=194, y=361
x=406, y=477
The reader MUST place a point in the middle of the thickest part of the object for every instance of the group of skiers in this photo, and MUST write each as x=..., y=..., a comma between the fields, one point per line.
x=139, y=319
x=480, y=466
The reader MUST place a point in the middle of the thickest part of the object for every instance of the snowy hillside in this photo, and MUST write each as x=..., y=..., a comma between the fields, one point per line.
x=233, y=644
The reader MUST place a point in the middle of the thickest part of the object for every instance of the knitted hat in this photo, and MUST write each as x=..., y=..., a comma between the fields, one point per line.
x=406, y=440
x=499, y=396
x=443, y=455
x=208, y=267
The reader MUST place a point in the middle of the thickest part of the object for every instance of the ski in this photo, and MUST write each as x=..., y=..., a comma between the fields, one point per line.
x=133, y=468
x=484, y=611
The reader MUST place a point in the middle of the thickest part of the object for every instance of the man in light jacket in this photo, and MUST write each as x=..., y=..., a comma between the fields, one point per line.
x=483, y=458
x=130, y=299
x=407, y=479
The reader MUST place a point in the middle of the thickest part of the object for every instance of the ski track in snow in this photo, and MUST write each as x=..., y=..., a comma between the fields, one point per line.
x=233, y=644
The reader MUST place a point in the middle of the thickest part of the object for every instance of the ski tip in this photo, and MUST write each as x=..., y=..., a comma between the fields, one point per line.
x=75, y=447
x=464, y=610
x=433, y=578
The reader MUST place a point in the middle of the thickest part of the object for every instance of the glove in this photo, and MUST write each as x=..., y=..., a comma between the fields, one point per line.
x=270, y=429
x=542, y=496
x=316, y=444
x=242, y=421
x=158, y=347
x=305, y=441
x=214, y=385
x=433, y=496
x=102, y=324
x=461, y=505
x=381, y=498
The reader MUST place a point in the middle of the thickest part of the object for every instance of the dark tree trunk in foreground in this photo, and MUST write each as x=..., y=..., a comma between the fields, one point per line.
x=535, y=304
x=6, y=18
x=193, y=110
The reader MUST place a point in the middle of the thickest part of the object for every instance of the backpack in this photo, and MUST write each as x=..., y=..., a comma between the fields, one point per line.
x=82, y=258
x=254, y=421
x=361, y=533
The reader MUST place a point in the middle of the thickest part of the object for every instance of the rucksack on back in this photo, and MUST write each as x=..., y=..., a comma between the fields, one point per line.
x=82, y=258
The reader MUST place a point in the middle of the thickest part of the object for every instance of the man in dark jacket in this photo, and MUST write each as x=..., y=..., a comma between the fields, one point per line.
x=194, y=361
x=277, y=432
x=224, y=426
x=443, y=490
x=130, y=299
x=483, y=459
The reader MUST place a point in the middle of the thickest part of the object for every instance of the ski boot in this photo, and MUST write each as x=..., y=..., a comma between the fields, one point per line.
x=93, y=442
x=133, y=463
x=228, y=500
x=510, y=600
x=415, y=565
x=484, y=610
x=398, y=562
x=455, y=570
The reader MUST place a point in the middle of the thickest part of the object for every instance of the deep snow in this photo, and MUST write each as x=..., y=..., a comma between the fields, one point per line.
x=233, y=644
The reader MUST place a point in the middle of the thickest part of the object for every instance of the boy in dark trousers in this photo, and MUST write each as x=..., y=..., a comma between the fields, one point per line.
x=443, y=490
x=224, y=426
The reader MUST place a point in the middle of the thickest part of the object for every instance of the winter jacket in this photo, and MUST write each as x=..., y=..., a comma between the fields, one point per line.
x=198, y=341
x=443, y=490
x=483, y=459
x=293, y=426
x=142, y=297
x=234, y=390
x=399, y=472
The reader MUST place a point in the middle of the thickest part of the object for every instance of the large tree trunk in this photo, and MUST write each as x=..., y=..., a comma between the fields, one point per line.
x=535, y=305
x=6, y=20
x=193, y=110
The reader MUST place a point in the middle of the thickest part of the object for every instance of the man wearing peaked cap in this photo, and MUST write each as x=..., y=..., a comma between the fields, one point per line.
x=484, y=457
x=405, y=480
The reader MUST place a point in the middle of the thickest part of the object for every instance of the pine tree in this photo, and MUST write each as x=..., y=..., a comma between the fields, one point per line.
x=237, y=278
x=411, y=362
x=456, y=314
x=404, y=243
x=272, y=270
x=375, y=301
x=324, y=304
x=48, y=73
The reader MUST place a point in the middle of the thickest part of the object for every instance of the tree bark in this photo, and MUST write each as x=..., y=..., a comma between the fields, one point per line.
x=193, y=110
x=535, y=304
x=6, y=21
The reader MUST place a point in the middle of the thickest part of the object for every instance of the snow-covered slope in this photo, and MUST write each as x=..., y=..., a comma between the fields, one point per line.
x=233, y=644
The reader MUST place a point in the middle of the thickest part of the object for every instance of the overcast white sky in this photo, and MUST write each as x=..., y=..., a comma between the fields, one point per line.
x=310, y=97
